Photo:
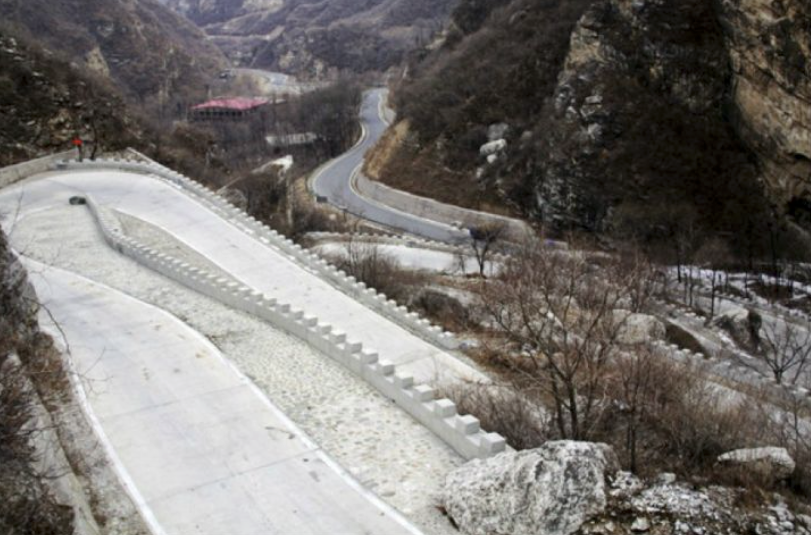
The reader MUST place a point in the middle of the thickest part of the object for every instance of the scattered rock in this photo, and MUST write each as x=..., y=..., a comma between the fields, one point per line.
x=640, y=525
x=551, y=490
x=493, y=147
x=770, y=463
x=626, y=484
x=665, y=478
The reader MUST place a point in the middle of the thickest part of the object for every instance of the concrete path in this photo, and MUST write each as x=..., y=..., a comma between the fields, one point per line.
x=334, y=182
x=202, y=450
x=257, y=265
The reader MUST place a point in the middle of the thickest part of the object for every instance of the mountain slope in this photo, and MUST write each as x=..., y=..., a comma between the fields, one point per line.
x=649, y=118
x=148, y=50
x=44, y=103
x=309, y=37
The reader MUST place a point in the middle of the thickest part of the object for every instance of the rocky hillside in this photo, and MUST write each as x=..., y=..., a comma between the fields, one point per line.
x=148, y=50
x=308, y=37
x=652, y=118
x=45, y=103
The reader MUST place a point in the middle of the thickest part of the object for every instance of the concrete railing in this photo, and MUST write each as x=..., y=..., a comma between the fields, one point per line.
x=460, y=432
x=261, y=232
x=516, y=230
x=14, y=173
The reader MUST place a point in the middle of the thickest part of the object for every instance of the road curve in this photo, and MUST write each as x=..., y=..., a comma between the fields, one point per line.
x=334, y=181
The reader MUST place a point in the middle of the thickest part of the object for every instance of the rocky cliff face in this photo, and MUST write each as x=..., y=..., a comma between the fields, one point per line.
x=736, y=71
x=659, y=117
x=641, y=90
x=769, y=46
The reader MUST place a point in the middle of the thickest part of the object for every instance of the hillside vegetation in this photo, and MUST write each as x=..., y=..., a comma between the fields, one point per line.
x=45, y=102
x=150, y=52
x=621, y=118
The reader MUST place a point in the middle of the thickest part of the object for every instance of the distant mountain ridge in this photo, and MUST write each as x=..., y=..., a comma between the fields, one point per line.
x=312, y=37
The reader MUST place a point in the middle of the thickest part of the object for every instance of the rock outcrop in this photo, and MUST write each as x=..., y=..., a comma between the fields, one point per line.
x=770, y=463
x=743, y=69
x=667, y=506
x=638, y=328
x=770, y=52
x=551, y=490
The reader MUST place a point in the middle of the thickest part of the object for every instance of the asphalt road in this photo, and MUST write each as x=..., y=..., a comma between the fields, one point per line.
x=334, y=182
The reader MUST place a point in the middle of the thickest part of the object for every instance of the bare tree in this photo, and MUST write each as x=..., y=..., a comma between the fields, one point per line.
x=483, y=240
x=785, y=349
x=714, y=254
x=556, y=310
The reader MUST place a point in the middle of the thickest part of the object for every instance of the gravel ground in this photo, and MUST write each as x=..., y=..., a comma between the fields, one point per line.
x=378, y=443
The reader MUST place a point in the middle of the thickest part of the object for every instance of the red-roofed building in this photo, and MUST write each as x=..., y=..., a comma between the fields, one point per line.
x=227, y=108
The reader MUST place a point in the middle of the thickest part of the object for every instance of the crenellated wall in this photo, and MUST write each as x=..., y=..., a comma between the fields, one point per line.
x=370, y=297
x=14, y=173
x=461, y=432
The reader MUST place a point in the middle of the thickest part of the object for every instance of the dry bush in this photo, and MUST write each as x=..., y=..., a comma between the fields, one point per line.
x=367, y=263
x=556, y=311
x=26, y=504
x=443, y=309
x=310, y=219
x=501, y=409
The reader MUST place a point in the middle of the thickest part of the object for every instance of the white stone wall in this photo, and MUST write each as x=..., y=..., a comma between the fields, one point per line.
x=462, y=433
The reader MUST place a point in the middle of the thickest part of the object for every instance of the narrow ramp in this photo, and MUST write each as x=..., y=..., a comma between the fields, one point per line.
x=201, y=449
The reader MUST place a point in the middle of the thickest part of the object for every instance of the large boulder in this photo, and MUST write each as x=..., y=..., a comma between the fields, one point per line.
x=638, y=328
x=772, y=464
x=551, y=490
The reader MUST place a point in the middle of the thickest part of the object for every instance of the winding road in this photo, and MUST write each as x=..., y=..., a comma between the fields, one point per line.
x=334, y=181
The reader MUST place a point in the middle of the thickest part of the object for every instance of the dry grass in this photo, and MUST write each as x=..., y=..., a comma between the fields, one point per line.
x=381, y=154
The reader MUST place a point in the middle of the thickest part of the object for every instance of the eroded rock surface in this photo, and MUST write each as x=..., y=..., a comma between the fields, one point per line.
x=551, y=490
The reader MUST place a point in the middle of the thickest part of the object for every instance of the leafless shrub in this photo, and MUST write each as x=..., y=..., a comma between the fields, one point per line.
x=785, y=349
x=483, y=242
x=443, y=309
x=556, y=310
x=370, y=265
x=27, y=368
x=310, y=219
x=695, y=421
x=26, y=505
x=514, y=415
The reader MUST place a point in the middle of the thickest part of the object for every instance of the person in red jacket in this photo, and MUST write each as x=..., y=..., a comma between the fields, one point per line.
x=79, y=144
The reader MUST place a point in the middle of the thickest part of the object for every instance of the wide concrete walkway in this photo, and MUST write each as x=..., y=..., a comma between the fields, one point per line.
x=203, y=450
x=260, y=266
